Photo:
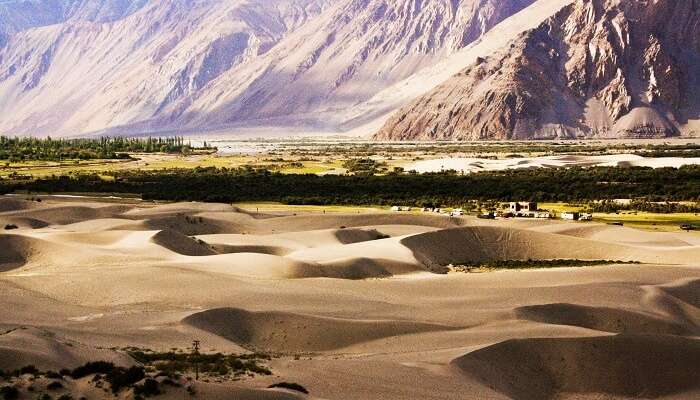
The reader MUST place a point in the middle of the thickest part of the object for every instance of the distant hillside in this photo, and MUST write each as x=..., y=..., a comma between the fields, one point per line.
x=138, y=66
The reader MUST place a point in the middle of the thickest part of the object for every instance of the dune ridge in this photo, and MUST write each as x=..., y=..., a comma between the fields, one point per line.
x=30, y=346
x=531, y=369
x=289, y=332
x=9, y=204
x=605, y=319
x=488, y=243
x=181, y=244
x=19, y=250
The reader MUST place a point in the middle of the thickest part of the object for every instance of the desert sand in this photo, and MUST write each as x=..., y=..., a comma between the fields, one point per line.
x=467, y=165
x=351, y=305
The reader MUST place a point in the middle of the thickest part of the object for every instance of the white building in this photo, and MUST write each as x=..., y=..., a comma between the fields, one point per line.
x=570, y=216
x=457, y=213
x=585, y=217
x=519, y=209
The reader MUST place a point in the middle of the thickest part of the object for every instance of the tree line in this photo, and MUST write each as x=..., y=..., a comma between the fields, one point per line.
x=15, y=149
x=422, y=190
x=644, y=205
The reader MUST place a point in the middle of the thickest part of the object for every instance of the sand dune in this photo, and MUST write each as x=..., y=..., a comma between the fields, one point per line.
x=284, y=243
x=15, y=251
x=233, y=249
x=189, y=225
x=687, y=290
x=226, y=393
x=262, y=265
x=622, y=235
x=301, y=223
x=253, y=265
x=606, y=319
x=478, y=244
x=104, y=224
x=18, y=250
x=289, y=332
x=183, y=207
x=365, y=267
x=8, y=204
x=181, y=244
x=29, y=346
x=542, y=368
x=390, y=250
x=64, y=215
x=354, y=297
x=468, y=165
x=240, y=241
x=23, y=222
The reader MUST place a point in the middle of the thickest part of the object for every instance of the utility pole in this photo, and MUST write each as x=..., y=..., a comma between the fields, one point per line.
x=195, y=353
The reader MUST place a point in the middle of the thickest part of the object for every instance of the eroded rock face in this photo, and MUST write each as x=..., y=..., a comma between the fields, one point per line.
x=598, y=68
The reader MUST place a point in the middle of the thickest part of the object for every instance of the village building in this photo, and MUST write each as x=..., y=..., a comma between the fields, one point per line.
x=542, y=215
x=457, y=212
x=570, y=216
x=522, y=209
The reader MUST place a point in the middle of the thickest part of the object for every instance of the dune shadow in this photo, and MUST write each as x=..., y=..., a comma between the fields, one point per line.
x=603, y=319
x=647, y=366
x=285, y=332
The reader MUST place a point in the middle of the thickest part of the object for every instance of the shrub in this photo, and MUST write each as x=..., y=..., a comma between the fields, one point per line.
x=290, y=386
x=170, y=382
x=95, y=367
x=9, y=393
x=55, y=385
x=29, y=369
x=173, y=363
x=10, y=227
x=120, y=378
x=149, y=388
x=53, y=375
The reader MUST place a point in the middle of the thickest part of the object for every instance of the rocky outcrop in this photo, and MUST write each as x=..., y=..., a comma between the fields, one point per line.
x=598, y=68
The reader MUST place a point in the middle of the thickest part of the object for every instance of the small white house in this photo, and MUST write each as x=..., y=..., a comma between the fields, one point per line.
x=457, y=213
x=570, y=216
x=585, y=217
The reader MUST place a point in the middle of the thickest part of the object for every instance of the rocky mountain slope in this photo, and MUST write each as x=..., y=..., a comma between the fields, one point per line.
x=138, y=66
x=598, y=68
x=19, y=15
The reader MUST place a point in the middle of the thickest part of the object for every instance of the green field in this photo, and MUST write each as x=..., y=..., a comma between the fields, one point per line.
x=39, y=169
x=636, y=219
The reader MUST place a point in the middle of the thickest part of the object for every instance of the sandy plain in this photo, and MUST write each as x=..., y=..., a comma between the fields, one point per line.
x=469, y=165
x=350, y=305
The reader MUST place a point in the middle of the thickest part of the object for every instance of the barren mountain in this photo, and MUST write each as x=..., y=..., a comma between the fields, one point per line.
x=598, y=68
x=152, y=66
x=347, y=55
x=83, y=75
x=19, y=15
